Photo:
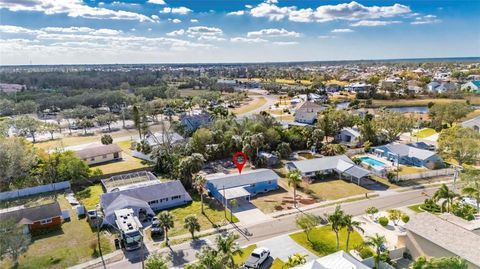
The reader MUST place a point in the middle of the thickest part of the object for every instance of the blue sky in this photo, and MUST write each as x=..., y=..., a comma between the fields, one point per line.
x=163, y=31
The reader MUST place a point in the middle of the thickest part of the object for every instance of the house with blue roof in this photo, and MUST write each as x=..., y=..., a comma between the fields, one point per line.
x=472, y=86
x=408, y=155
x=225, y=187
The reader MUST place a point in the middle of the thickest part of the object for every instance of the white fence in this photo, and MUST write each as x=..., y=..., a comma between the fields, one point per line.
x=428, y=174
x=34, y=190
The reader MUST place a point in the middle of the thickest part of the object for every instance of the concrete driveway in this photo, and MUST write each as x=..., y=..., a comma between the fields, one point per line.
x=283, y=246
x=248, y=213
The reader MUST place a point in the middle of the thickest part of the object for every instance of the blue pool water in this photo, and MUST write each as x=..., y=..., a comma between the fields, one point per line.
x=371, y=161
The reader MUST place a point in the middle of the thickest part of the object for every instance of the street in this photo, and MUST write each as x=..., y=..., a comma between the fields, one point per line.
x=184, y=253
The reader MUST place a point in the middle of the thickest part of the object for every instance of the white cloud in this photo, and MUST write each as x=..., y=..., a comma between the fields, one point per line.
x=12, y=29
x=371, y=23
x=285, y=43
x=247, y=40
x=210, y=38
x=326, y=36
x=176, y=33
x=342, y=30
x=72, y=29
x=236, y=13
x=155, y=17
x=248, y=6
x=176, y=20
x=344, y=11
x=273, y=32
x=157, y=2
x=176, y=10
x=204, y=31
x=73, y=8
x=193, y=20
x=427, y=19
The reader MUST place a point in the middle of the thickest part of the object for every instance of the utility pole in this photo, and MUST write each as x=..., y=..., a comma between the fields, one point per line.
x=98, y=240
x=455, y=176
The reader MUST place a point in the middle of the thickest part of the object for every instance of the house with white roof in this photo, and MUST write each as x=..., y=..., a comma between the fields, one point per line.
x=157, y=139
x=349, y=136
x=472, y=86
x=434, y=236
x=337, y=260
x=359, y=87
x=308, y=112
x=340, y=164
x=408, y=155
x=441, y=87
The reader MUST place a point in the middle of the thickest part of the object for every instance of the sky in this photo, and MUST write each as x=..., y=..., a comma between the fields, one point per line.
x=216, y=31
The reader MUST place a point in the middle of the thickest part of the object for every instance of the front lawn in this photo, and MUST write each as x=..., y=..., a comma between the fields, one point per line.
x=90, y=196
x=406, y=170
x=332, y=189
x=239, y=259
x=62, y=248
x=325, y=242
x=425, y=133
x=214, y=215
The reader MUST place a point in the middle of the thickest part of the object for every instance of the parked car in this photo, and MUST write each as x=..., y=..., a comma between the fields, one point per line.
x=156, y=230
x=258, y=256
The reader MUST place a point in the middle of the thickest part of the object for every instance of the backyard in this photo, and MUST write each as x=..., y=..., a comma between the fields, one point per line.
x=90, y=196
x=214, y=215
x=128, y=161
x=426, y=132
x=324, y=240
x=62, y=248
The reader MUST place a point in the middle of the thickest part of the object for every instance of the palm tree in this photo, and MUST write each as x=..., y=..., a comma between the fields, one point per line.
x=472, y=187
x=377, y=241
x=207, y=258
x=191, y=224
x=336, y=220
x=294, y=178
x=199, y=184
x=227, y=247
x=294, y=260
x=351, y=225
x=445, y=193
x=166, y=221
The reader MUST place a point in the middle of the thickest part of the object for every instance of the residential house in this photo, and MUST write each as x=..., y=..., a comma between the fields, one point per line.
x=349, y=136
x=441, y=87
x=156, y=139
x=196, y=119
x=414, y=87
x=308, y=112
x=100, y=154
x=472, y=123
x=271, y=160
x=359, y=87
x=143, y=197
x=340, y=164
x=408, y=155
x=47, y=216
x=433, y=236
x=472, y=86
x=337, y=260
x=332, y=87
x=422, y=145
x=442, y=76
x=241, y=186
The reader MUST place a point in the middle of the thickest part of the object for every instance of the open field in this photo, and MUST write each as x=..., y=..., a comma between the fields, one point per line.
x=90, y=196
x=214, y=215
x=474, y=100
x=425, y=133
x=251, y=105
x=333, y=189
x=325, y=242
x=62, y=248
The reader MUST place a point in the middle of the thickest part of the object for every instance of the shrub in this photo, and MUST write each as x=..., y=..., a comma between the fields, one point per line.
x=405, y=218
x=383, y=221
x=106, y=139
x=365, y=253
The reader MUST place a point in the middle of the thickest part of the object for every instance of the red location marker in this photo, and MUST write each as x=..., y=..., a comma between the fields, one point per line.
x=242, y=162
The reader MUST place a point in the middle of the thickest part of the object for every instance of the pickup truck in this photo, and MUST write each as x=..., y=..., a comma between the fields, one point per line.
x=258, y=256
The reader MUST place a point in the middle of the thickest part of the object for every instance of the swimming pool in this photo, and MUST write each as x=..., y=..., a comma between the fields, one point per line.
x=371, y=161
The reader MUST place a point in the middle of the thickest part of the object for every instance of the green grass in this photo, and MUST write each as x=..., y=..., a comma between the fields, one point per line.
x=277, y=264
x=239, y=259
x=416, y=208
x=90, y=196
x=406, y=170
x=62, y=248
x=214, y=215
x=335, y=189
x=325, y=242
x=251, y=105
x=425, y=133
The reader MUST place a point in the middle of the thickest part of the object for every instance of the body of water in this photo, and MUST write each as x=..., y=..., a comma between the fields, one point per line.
x=402, y=109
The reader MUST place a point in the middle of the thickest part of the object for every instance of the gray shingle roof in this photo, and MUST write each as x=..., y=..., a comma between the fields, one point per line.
x=221, y=181
x=34, y=213
x=124, y=201
x=98, y=151
x=446, y=235
x=472, y=122
x=147, y=193
x=409, y=151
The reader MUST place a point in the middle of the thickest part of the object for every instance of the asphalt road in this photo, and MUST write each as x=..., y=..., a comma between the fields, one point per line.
x=184, y=253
